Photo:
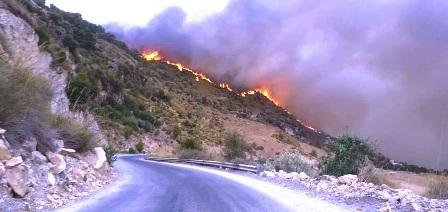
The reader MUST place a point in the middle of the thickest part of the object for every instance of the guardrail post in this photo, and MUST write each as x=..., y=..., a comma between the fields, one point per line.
x=259, y=168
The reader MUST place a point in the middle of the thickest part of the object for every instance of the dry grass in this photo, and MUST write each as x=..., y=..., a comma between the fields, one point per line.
x=438, y=190
x=75, y=135
x=418, y=183
x=24, y=107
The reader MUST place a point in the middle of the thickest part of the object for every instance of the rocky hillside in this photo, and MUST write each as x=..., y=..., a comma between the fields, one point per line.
x=48, y=153
x=71, y=94
x=152, y=102
x=135, y=100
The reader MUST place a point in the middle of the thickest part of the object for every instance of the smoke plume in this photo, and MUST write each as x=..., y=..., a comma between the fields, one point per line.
x=376, y=68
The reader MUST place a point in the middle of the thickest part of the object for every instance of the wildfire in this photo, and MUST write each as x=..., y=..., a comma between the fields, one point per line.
x=151, y=55
x=154, y=56
x=225, y=86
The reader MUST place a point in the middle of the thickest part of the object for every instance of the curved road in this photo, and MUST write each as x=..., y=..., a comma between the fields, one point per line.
x=153, y=186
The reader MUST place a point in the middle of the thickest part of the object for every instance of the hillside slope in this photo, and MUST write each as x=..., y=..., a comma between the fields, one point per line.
x=136, y=100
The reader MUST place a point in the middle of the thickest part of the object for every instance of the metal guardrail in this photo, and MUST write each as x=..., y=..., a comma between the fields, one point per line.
x=218, y=164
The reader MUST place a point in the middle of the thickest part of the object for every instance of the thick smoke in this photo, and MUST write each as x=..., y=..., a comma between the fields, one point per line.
x=376, y=68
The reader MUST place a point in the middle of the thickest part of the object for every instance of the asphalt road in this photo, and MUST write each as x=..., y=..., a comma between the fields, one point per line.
x=154, y=186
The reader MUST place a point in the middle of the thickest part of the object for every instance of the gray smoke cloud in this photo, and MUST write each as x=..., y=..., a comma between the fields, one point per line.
x=376, y=68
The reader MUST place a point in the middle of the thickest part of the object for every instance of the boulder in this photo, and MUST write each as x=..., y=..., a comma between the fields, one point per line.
x=100, y=157
x=16, y=177
x=58, y=162
x=348, y=179
x=2, y=170
x=4, y=151
x=303, y=176
x=30, y=145
x=51, y=179
x=37, y=157
x=59, y=144
x=68, y=152
x=293, y=175
x=14, y=162
x=2, y=131
x=329, y=178
x=282, y=174
x=268, y=174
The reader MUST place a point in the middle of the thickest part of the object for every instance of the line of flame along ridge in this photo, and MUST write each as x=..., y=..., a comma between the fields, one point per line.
x=155, y=56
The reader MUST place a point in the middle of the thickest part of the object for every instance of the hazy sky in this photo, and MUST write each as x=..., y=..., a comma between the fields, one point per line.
x=377, y=68
x=137, y=12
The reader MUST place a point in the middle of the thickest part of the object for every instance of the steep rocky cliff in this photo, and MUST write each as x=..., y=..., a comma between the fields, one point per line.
x=32, y=176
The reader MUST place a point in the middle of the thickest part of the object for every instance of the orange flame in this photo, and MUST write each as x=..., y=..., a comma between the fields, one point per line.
x=151, y=55
x=225, y=86
x=154, y=56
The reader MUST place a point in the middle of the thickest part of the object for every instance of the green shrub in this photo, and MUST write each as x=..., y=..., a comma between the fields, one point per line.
x=140, y=146
x=176, y=132
x=234, y=146
x=110, y=153
x=43, y=33
x=75, y=135
x=268, y=166
x=293, y=162
x=347, y=155
x=438, y=190
x=127, y=132
x=81, y=88
x=132, y=151
x=190, y=143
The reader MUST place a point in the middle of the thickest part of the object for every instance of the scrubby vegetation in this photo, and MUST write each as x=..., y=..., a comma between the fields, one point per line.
x=234, y=146
x=110, y=153
x=24, y=107
x=132, y=151
x=293, y=162
x=25, y=113
x=190, y=143
x=140, y=146
x=347, y=155
x=438, y=190
x=370, y=174
x=75, y=135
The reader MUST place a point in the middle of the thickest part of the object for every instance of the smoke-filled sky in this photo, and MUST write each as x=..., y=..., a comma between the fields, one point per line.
x=376, y=68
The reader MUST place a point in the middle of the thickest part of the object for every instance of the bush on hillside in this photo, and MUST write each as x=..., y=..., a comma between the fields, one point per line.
x=81, y=88
x=347, y=155
x=132, y=151
x=370, y=174
x=175, y=133
x=292, y=162
x=234, y=146
x=190, y=143
x=140, y=146
x=268, y=165
x=75, y=135
x=24, y=107
x=110, y=153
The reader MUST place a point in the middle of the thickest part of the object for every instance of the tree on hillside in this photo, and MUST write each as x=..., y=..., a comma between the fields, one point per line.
x=234, y=146
x=347, y=155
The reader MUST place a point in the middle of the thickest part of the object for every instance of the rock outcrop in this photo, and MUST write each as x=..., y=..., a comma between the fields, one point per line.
x=100, y=157
x=57, y=161
x=16, y=178
x=4, y=151
x=349, y=187
x=14, y=162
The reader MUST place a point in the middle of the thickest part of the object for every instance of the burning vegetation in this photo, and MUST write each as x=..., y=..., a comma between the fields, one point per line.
x=150, y=55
